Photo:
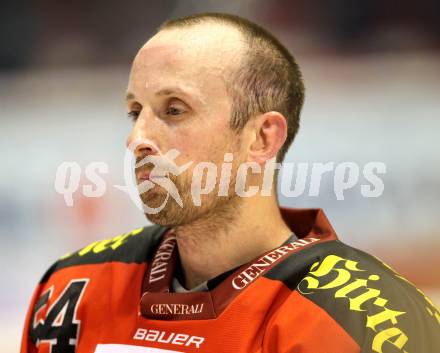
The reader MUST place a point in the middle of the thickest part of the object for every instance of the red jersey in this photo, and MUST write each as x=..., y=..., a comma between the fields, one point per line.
x=313, y=294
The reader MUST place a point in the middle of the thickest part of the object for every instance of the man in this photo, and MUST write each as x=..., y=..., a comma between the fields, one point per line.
x=227, y=271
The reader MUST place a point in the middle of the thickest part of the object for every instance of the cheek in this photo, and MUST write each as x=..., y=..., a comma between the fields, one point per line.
x=187, y=145
x=193, y=147
x=202, y=146
x=204, y=133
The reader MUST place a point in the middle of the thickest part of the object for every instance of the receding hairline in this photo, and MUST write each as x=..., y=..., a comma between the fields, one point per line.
x=234, y=36
x=247, y=29
x=231, y=41
x=240, y=24
x=255, y=38
x=236, y=50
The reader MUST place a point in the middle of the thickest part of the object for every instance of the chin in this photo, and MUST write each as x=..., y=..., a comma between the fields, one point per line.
x=170, y=215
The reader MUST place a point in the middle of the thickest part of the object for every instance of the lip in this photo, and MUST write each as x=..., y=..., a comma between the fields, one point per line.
x=142, y=176
x=146, y=175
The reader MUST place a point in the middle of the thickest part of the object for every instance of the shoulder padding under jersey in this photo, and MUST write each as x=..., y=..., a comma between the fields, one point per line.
x=136, y=246
x=380, y=309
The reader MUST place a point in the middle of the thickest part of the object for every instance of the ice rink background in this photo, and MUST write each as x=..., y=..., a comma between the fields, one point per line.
x=373, y=94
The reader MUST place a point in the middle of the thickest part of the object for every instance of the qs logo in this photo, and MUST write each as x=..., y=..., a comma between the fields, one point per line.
x=344, y=277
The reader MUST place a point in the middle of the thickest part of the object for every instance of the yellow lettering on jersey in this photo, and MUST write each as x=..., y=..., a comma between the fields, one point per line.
x=431, y=308
x=383, y=316
x=326, y=267
x=335, y=272
x=101, y=245
x=391, y=335
x=88, y=248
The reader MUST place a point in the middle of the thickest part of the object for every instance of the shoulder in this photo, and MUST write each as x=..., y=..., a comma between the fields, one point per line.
x=379, y=308
x=328, y=256
x=136, y=246
x=333, y=265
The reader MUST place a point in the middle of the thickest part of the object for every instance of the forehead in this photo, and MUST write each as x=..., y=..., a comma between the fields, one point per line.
x=194, y=56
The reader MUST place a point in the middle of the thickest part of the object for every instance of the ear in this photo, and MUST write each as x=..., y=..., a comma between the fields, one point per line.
x=270, y=133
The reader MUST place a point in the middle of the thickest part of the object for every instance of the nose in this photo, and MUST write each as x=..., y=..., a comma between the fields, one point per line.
x=144, y=149
x=139, y=143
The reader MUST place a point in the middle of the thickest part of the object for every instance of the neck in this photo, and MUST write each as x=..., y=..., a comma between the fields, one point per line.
x=230, y=237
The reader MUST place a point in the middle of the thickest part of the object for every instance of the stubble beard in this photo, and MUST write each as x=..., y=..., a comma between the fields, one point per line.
x=219, y=210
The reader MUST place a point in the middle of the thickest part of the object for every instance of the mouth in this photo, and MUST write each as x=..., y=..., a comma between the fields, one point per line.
x=144, y=175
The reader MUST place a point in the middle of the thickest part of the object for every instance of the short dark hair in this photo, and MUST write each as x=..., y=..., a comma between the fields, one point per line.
x=268, y=79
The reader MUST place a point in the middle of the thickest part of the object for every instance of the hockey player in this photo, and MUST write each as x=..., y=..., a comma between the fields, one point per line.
x=232, y=272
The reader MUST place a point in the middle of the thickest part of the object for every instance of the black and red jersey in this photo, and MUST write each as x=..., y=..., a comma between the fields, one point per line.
x=313, y=294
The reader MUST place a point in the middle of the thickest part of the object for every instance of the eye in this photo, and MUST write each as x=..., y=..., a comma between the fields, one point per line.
x=171, y=110
x=175, y=107
x=133, y=115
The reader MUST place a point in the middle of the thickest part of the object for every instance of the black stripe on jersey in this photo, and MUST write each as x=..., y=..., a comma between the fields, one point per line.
x=136, y=248
x=214, y=282
x=364, y=296
x=294, y=268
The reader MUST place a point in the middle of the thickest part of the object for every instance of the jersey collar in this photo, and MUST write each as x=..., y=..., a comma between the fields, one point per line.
x=310, y=226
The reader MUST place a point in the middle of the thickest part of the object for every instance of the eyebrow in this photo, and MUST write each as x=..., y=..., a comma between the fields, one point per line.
x=170, y=91
x=162, y=92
